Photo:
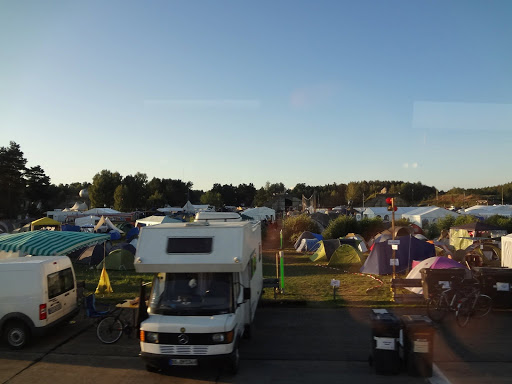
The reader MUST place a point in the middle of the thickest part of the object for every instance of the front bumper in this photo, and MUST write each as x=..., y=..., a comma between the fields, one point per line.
x=164, y=361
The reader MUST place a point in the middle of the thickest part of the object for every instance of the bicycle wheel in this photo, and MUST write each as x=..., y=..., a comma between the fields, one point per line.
x=437, y=307
x=464, y=311
x=483, y=306
x=109, y=330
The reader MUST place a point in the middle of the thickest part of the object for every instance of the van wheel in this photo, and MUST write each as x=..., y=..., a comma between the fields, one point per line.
x=234, y=360
x=16, y=334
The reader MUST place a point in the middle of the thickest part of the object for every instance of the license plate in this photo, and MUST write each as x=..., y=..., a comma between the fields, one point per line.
x=54, y=308
x=186, y=362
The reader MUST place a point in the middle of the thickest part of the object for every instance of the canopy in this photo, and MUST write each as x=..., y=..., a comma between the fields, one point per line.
x=260, y=213
x=154, y=220
x=45, y=222
x=47, y=243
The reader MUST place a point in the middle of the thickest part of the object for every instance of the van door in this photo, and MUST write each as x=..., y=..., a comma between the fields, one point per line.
x=61, y=294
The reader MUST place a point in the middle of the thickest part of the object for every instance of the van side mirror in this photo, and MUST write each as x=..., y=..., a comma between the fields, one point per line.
x=247, y=294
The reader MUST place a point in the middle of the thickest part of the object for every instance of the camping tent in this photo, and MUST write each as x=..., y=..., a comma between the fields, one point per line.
x=79, y=207
x=45, y=223
x=410, y=248
x=126, y=246
x=436, y=262
x=506, y=251
x=92, y=255
x=154, y=220
x=307, y=235
x=325, y=250
x=119, y=259
x=462, y=236
x=260, y=213
x=46, y=243
x=344, y=255
x=308, y=245
x=105, y=221
x=362, y=244
x=423, y=216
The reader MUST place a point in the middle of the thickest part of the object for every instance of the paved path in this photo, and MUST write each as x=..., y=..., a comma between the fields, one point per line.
x=291, y=345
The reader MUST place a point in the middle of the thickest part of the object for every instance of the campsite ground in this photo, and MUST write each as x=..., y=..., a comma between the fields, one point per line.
x=291, y=345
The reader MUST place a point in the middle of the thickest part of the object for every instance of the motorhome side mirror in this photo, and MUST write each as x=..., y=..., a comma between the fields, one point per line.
x=247, y=294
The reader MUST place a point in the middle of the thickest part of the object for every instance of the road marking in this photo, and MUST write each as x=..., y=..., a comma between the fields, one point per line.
x=438, y=377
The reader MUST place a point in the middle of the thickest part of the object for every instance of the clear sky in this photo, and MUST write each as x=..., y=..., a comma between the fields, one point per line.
x=235, y=92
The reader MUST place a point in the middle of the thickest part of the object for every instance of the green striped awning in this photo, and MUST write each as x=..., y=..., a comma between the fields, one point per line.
x=49, y=243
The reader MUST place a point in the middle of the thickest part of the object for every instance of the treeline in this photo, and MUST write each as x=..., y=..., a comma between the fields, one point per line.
x=27, y=190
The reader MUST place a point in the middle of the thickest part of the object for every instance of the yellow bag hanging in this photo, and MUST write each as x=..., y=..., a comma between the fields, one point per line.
x=104, y=286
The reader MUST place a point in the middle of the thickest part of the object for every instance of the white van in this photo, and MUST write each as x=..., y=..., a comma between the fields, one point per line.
x=205, y=292
x=36, y=293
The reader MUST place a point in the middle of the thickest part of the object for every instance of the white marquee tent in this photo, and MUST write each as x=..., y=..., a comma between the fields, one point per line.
x=427, y=215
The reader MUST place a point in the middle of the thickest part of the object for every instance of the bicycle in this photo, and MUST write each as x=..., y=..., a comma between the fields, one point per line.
x=449, y=300
x=475, y=304
x=111, y=327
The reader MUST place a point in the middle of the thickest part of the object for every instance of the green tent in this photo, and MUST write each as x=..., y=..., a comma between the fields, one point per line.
x=344, y=255
x=325, y=250
x=120, y=260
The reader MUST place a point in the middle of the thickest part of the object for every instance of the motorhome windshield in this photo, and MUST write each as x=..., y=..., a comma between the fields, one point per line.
x=186, y=294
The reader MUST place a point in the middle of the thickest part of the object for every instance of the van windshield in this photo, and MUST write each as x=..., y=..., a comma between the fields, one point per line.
x=187, y=294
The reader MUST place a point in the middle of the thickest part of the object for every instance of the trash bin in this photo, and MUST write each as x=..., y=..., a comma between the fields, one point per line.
x=496, y=283
x=417, y=342
x=385, y=334
x=436, y=280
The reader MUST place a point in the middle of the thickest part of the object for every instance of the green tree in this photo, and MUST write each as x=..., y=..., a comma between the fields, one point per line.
x=104, y=184
x=121, y=198
x=12, y=184
x=37, y=190
x=261, y=197
x=295, y=225
x=135, y=191
x=245, y=194
x=465, y=219
x=445, y=223
x=212, y=198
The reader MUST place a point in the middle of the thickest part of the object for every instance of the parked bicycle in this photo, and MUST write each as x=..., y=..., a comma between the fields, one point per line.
x=112, y=327
x=474, y=304
x=451, y=299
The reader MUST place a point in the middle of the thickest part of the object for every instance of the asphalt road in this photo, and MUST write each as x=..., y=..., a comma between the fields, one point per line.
x=290, y=345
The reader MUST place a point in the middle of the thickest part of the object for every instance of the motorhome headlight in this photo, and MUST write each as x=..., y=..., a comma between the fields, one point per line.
x=151, y=337
x=218, y=337
x=225, y=337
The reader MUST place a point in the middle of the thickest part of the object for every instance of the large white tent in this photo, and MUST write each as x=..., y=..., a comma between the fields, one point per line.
x=486, y=211
x=427, y=215
x=101, y=212
x=155, y=220
x=260, y=213
x=506, y=251
x=384, y=214
x=87, y=221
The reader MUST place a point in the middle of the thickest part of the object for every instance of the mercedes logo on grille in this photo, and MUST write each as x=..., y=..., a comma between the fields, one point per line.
x=183, y=339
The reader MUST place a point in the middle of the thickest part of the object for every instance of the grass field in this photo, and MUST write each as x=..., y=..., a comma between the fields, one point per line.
x=306, y=283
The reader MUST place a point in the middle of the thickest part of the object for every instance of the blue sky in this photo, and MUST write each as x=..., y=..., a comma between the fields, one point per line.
x=235, y=92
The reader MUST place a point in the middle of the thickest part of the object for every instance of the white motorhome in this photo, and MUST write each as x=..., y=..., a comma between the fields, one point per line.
x=36, y=294
x=208, y=282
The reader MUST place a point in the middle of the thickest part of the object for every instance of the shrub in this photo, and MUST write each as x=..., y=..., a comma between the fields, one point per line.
x=500, y=221
x=432, y=231
x=295, y=225
x=340, y=226
x=368, y=228
x=465, y=219
x=445, y=223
